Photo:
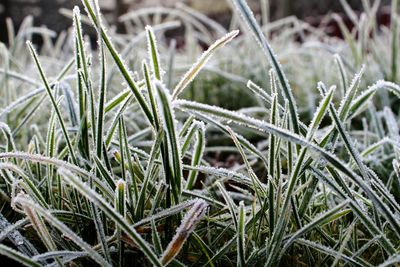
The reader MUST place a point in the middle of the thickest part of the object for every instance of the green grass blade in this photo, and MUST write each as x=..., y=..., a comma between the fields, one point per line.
x=197, y=155
x=251, y=22
x=168, y=119
x=327, y=217
x=153, y=52
x=53, y=101
x=241, y=236
x=343, y=76
x=120, y=63
x=99, y=202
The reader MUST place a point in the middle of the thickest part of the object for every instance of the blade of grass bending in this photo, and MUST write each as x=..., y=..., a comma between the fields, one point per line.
x=249, y=18
x=53, y=101
x=188, y=224
x=195, y=69
x=263, y=126
x=120, y=63
x=99, y=201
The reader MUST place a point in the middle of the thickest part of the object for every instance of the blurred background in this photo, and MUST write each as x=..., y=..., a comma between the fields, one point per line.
x=46, y=12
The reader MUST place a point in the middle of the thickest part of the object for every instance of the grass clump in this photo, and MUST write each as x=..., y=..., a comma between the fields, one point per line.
x=104, y=166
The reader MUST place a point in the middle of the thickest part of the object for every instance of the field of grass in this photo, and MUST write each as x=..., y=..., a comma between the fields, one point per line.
x=277, y=145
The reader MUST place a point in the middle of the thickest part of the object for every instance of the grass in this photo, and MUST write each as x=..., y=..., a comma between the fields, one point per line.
x=110, y=160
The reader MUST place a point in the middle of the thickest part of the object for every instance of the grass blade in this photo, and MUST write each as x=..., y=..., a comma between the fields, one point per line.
x=188, y=224
x=53, y=101
x=99, y=202
x=251, y=22
x=168, y=119
x=195, y=69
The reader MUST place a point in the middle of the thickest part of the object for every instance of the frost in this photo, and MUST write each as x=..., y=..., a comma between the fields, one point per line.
x=204, y=58
x=165, y=213
x=189, y=222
